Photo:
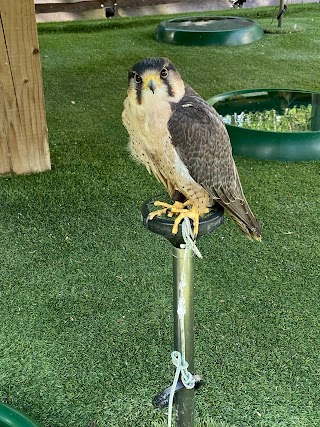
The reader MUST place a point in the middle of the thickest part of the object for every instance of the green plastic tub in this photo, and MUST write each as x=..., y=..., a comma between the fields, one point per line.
x=10, y=417
x=209, y=30
x=267, y=144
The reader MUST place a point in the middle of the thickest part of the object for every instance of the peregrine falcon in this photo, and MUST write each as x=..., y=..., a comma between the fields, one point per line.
x=183, y=142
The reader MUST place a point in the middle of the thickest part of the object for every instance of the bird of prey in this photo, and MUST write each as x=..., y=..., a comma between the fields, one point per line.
x=183, y=142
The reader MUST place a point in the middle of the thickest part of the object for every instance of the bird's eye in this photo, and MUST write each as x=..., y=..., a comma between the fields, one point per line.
x=164, y=73
x=137, y=78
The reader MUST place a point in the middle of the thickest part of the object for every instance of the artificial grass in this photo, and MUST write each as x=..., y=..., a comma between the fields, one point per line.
x=85, y=291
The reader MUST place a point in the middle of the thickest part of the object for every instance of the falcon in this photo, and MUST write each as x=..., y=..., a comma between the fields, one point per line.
x=184, y=143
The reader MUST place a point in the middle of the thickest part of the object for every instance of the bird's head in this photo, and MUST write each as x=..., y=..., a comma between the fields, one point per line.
x=154, y=80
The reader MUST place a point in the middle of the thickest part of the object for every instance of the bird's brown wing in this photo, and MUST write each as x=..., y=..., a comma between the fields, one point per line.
x=203, y=145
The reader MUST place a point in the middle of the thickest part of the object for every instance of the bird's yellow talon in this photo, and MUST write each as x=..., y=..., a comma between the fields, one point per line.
x=159, y=212
x=181, y=210
x=166, y=209
x=163, y=204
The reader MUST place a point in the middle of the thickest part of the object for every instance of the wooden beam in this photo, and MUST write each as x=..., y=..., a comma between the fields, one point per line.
x=57, y=1
x=23, y=129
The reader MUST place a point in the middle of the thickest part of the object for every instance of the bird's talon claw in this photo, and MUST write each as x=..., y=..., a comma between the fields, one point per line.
x=181, y=211
x=159, y=212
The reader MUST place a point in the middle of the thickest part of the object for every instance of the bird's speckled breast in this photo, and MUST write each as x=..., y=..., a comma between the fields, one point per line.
x=150, y=143
x=149, y=137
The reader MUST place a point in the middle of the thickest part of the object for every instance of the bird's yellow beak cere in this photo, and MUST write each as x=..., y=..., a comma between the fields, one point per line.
x=183, y=142
x=151, y=82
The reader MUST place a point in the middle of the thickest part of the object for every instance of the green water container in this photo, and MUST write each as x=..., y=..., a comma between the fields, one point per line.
x=11, y=417
x=265, y=144
x=209, y=30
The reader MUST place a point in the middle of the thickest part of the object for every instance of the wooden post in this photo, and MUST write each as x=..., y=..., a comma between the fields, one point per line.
x=23, y=129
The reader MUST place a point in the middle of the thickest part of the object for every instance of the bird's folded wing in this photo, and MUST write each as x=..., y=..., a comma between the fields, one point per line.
x=203, y=144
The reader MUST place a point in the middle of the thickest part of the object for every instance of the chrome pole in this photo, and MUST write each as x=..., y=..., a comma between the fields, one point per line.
x=183, y=262
x=281, y=6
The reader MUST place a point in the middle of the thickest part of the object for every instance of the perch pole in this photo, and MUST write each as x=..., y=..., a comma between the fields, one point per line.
x=183, y=274
x=183, y=259
x=281, y=7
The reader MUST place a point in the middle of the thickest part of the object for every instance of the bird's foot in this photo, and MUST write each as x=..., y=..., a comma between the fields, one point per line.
x=182, y=210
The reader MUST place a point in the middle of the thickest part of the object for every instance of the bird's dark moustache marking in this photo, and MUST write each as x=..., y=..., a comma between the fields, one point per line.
x=170, y=91
x=131, y=76
x=139, y=95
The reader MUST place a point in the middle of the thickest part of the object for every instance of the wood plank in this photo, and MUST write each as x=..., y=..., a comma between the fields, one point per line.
x=6, y=81
x=58, y=1
x=24, y=130
x=77, y=8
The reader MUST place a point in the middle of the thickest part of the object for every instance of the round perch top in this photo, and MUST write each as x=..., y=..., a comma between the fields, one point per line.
x=163, y=225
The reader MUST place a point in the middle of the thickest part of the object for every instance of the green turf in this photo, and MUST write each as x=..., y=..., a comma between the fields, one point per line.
x=85, y=291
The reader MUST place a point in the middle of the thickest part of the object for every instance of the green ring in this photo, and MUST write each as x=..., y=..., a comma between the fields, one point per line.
x=239, y=31
x=10, y=417
x=264, y=144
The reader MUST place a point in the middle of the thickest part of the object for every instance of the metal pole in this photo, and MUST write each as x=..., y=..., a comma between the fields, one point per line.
x=280, y=13
x=184, y=398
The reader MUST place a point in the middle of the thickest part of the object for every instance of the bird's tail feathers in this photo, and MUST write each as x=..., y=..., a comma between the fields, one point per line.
x=242, y=215
x=251, y=232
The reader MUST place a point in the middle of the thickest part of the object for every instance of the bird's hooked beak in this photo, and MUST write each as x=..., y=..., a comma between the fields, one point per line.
x=151, y=82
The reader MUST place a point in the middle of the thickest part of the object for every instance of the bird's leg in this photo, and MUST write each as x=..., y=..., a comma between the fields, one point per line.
x=183, y=210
